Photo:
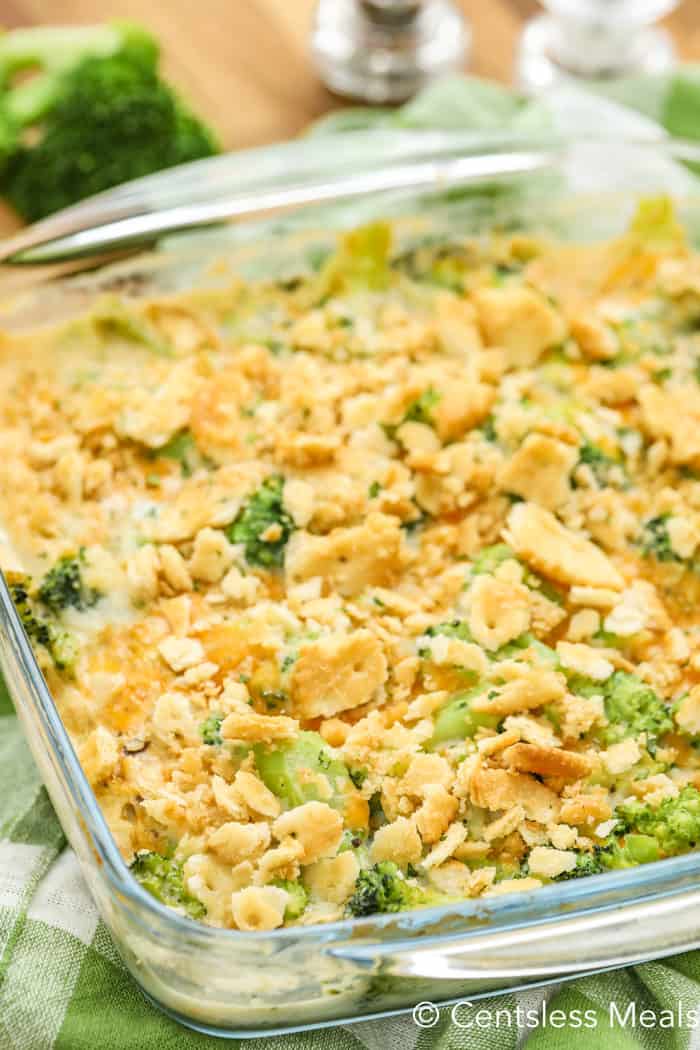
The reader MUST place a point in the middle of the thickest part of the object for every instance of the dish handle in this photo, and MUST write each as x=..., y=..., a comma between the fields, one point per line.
x=595, y=940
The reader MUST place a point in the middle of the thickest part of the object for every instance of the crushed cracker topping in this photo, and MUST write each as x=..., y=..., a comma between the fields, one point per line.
x=382, y=590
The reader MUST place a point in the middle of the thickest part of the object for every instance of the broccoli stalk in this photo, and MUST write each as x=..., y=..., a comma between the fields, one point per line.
x=93, y=113
x=457, y=720
x=164, y=879
x=297, y=898
x=600, y=464
x=451, y=629
x=291, y=770
x=489, y=558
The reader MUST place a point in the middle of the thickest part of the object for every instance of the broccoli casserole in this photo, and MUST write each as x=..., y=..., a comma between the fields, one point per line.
x=376, y=587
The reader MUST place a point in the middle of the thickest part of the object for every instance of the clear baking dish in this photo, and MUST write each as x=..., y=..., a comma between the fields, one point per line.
x=232, y=983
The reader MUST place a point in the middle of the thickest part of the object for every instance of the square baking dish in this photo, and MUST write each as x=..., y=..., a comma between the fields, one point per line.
x=231, y=983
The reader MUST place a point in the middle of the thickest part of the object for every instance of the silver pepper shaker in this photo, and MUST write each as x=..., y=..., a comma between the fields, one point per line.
x=383, y=51
x=594, y=40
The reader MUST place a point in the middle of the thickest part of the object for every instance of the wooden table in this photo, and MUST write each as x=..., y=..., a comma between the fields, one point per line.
x=244, y=63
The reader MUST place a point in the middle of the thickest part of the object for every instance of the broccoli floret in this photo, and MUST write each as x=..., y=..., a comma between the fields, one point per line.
x=655, y=540
x=63, y=586
x=586, y=864
x=183, y=450
x=674, y=825
x=297, y=900
x=36, y=628
x=599, y=463
x=210, y=730
x=163, y=877
x=93, y=113
x=43, y=632
x=264, y=510
x=451, y=629
x=632, y=707
x=420, y=410
x=383, y=888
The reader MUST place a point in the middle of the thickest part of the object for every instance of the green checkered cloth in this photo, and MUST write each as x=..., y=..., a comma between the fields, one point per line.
x=62, y=983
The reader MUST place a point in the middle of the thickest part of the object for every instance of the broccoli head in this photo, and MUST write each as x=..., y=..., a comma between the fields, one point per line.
x=163, y=877
x=586, y=864
x=383, y=888
x=451, y=629
x=600, y=464
x=63, y=585
x=617, y=852
x=674, y=825
x=420, y=410
x=655, y=540
x=210, y=730
x=42, y=631
x=263, y=526
x=40, y=608
x=182, y=449
x=94, y=113
x=489, y=558
x=632, y=707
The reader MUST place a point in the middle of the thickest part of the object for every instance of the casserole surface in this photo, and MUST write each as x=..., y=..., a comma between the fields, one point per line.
x=373, y=588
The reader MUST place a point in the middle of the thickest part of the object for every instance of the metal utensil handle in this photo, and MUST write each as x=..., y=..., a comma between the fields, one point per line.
x=59, y=241
x=597, y=940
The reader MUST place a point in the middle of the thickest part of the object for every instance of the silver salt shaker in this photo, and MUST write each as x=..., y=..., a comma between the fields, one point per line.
x=383, y=51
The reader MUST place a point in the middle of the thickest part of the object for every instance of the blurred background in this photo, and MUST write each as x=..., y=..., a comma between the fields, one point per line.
x=96, y=94
x=244, y=64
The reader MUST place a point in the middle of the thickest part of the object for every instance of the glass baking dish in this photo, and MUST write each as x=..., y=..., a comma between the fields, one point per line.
x=234, y=984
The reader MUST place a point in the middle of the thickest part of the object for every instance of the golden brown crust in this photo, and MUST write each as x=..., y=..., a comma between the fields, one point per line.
x=369, y=563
